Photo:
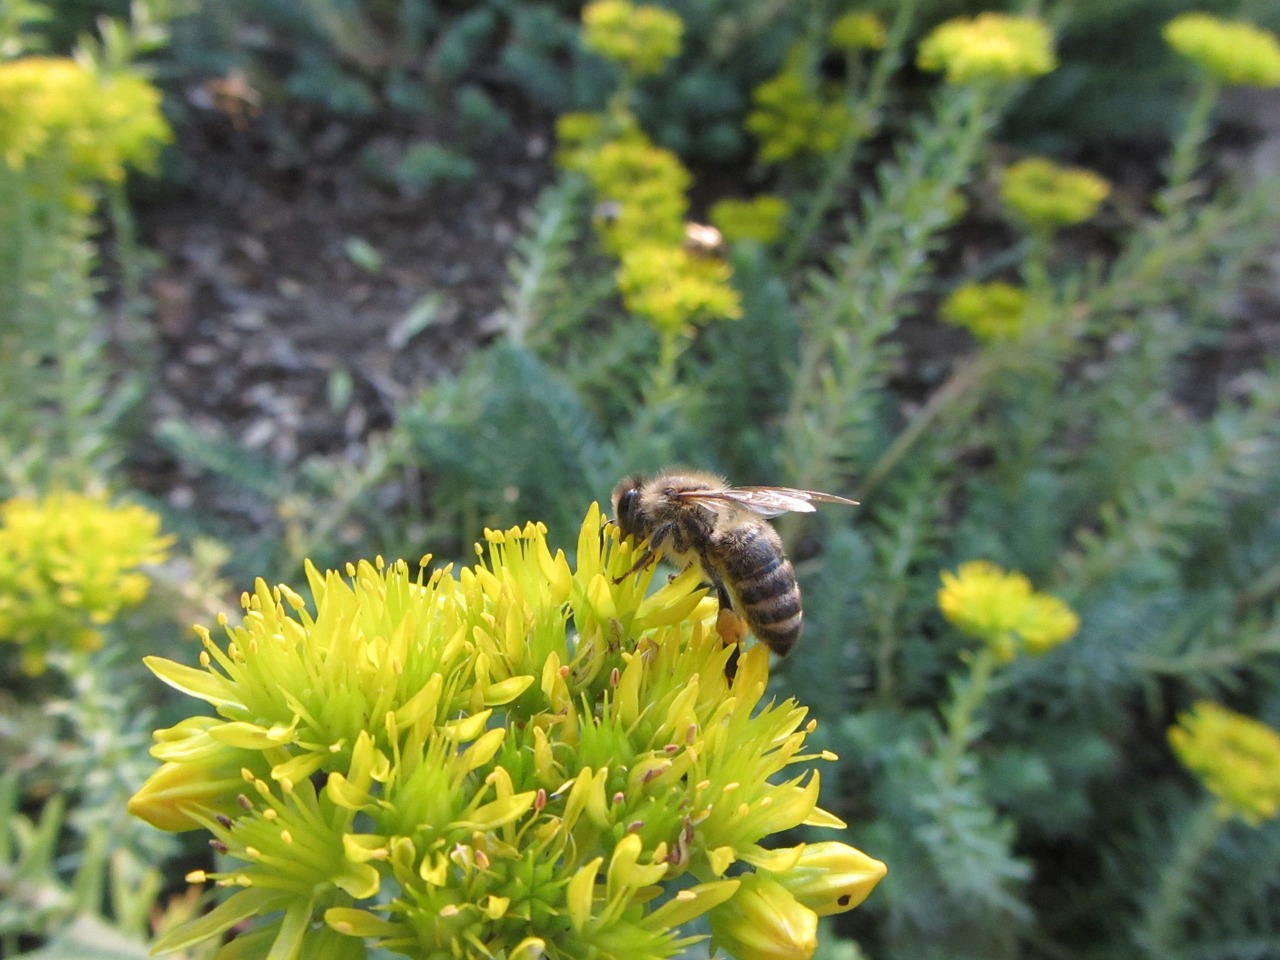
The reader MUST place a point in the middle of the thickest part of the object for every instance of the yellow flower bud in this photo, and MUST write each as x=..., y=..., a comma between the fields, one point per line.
x=764, y=921
x=832, y=877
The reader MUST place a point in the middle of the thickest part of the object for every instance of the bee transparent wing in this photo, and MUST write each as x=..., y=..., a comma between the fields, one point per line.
x=763, y=501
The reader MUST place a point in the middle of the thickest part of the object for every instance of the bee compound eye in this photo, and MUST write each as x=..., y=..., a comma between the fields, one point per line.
x=627, y=510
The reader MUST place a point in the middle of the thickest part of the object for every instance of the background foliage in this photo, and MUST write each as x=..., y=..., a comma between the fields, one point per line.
x=1036, y=812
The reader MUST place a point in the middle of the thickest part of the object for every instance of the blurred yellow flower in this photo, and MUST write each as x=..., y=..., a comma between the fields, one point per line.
x=988, y=47
x=1231, y=51
x=793, y=115
x=54, y=107
x=1046, y=196
x=758, y=219
x=640, y=38
x=992, y=312
x=856, y=31
x=1237, y=758
x=69, y=564
x=673, y=288
x=1001, y=609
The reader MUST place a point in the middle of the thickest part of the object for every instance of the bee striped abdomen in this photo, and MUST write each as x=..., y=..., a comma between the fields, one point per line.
x=763, y=584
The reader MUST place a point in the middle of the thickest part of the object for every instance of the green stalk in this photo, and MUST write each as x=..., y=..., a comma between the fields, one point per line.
x=1157, y=935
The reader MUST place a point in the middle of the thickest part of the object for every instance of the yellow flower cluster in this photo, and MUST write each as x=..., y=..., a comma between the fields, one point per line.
x=1232, y=52
x=69, y=564
x=1047, y=197
x=856, y=31
x=992, y=312
x=56, y=108
x=521, y=758
x=638, y=38
x=1002, y=610
x=795, y=115
x=642, y=221
x=991, y=47
x=758, y=219
x=1237, y=758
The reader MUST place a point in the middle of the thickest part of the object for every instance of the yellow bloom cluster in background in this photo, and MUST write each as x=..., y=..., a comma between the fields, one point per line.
x=992, y=312
x=991, y=47
x=795, y=115
x=1001, y=609
x=58, y=110
x=759, y=219
x=639, y=38
x=641, y=219
x=69, y=564
x=856, y=31
x=1046, y=196
x=518, y=758
x=1230, y=51
x=1236, y=757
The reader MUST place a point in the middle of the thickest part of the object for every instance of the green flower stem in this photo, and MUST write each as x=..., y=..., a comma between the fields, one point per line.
x=966, y=379
x=852, y=310
x=962, y=727
x=1193, y=843
x=865, y=106
x=1186, y=150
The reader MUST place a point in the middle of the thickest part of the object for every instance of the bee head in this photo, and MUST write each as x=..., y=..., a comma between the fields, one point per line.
x=626, y=505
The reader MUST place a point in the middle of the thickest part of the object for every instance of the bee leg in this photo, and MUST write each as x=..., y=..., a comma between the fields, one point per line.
x=730, y=627
x=649, y=556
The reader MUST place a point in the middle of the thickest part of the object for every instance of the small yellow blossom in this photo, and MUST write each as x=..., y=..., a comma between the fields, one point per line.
x=992, y=312
x=69, y=564
x=1003, y=610
x=521, y=758
x=989, y=47
x=640, y=38
x=759, y=219
x=97, y=123
x=1231, y=51
x=794, y=115
x=857, y=31
x=1237, y=758
x=642, y=187
x=674, y=288
x=1047, y=197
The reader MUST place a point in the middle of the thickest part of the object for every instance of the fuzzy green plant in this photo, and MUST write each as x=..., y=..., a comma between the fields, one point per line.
x=516, y=759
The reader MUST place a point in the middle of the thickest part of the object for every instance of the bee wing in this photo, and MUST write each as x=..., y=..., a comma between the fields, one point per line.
x=763, y=501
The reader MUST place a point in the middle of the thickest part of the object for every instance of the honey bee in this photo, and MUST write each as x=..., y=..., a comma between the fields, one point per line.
x=692, y=517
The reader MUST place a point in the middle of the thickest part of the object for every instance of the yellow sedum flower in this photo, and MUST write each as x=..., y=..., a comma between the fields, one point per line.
x=520, y=758
x=673, y=288
x=991, y=47
x=640, y=38
x=1003, y=611
x=1047, y=197
x=57, y=108
x=1231, y=51
x=794, y=115
x=1237, y=758
x=69, y=564
x=992, y=312
x=759, y=219
x=857, y=31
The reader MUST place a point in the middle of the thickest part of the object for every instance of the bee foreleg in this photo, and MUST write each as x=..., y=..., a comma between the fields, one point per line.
x=649, y=555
